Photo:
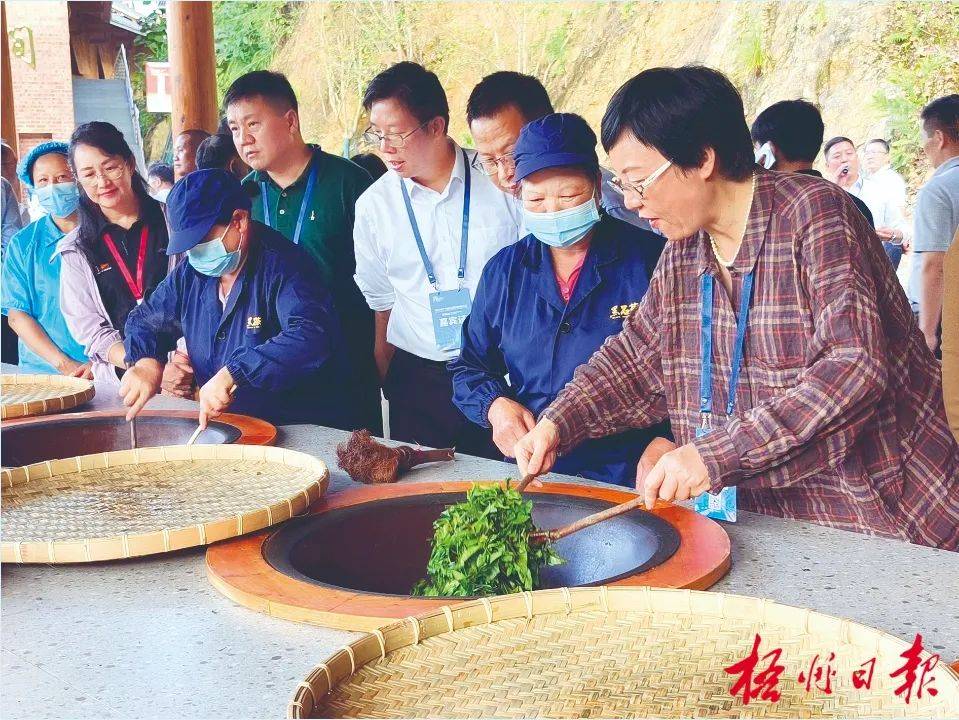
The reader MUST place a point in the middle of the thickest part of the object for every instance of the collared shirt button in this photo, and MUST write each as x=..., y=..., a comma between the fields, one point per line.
x=565, y=327
x=282, y=211
x=283, y=194
x=221, y=335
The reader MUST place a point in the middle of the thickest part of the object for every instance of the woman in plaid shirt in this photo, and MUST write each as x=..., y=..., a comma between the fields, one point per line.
x=836, y=415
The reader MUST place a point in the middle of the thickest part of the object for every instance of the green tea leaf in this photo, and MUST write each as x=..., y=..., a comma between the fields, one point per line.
x=481, y=546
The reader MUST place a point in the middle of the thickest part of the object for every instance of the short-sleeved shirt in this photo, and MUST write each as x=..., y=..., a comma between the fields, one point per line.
x=31, y=284
x=117, y=297
x=936, y=217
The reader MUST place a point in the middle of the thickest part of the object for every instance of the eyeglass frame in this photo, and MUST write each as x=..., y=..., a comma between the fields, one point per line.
x=377, y=139
x=639, y=188
x=497, y=162
x=110, y=175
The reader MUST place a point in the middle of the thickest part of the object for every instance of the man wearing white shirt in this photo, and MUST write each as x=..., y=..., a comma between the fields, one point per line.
x=423, y=233
x=842, y=167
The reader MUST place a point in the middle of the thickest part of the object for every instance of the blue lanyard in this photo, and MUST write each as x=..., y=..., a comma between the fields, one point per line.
x=307, y=195
x=706, y=344
x=464, y=238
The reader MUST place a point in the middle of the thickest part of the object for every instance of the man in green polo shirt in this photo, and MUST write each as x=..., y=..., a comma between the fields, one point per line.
x=309, y=196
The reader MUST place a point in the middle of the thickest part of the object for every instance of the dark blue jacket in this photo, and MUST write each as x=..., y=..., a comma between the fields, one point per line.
x=520, y=326
x=278, y=335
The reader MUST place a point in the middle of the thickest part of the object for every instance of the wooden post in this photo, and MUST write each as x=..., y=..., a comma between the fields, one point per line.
x=8, y=120
x=192, y=66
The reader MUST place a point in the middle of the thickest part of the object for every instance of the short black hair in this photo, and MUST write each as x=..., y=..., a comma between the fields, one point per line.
x=413, y=85
x=943, y=114
x=215, y=152
x=681, y=112
x=272, y=86
x=195, y=134
x=832, y=142
x=879, y=141
x=161, y=170
x=795, y=127
x=498, y=91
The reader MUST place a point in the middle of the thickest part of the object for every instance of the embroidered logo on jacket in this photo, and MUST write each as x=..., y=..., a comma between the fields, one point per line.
x=254, y=322
x=621, y=312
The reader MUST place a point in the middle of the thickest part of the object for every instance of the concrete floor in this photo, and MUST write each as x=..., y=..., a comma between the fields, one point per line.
x=151, y=638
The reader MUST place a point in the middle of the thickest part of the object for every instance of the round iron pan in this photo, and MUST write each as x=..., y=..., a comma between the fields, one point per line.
x=53, y=437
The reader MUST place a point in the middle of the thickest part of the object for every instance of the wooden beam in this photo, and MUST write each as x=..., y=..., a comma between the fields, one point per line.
x=9, y=120
x=192, y=66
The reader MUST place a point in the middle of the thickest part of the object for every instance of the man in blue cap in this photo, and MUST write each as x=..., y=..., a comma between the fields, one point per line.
x=258, y=323
x=546, y=304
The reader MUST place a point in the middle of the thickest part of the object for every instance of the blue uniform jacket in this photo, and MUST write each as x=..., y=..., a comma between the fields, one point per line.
x=278, y=335
x=520, y=326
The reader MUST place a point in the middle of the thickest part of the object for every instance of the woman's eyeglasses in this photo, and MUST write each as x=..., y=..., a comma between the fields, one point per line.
x=623, y=186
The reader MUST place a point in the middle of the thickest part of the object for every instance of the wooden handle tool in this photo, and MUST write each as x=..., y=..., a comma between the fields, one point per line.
x=543, y=536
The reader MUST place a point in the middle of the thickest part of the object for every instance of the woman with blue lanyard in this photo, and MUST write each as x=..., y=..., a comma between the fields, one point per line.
x=31, y=268
x=547, y=303
x=116, y=256
x=775, y=336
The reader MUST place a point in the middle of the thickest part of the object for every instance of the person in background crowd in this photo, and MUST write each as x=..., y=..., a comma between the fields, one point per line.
x=372, y=163
x=13, y=221
x=950, y=334
x=258, y=321
x=809, y=404
x=31, y=270
x=423, y=234
x=787, y=136
x=842, y=167
x=116, y=256
x=545, y=304
x=309, y=196
x=497, y=109
x=885, y=190
x=219, y=152
x=184, y=151
x=159, y=180
x=936, y=215
x=878, y=168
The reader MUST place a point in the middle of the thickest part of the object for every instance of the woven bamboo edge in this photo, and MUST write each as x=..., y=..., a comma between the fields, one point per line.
x=343, y=664
x=163, y=539
x=83, y=391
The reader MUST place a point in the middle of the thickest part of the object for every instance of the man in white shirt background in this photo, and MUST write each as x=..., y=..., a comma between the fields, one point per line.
x=842, y=167
x=423, y=233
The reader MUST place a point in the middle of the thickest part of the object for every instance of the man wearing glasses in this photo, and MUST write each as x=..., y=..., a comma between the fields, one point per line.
x=308, y=196
x=423, y=234
x=497, y=109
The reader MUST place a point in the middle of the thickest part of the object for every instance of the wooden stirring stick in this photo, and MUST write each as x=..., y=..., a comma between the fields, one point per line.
x=553, y=535
x=199, y=428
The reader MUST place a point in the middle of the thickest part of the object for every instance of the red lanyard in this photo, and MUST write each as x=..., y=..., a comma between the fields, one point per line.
x=136, y=288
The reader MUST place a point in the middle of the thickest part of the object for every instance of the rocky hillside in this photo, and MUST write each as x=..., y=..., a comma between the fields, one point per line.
x=868, y=65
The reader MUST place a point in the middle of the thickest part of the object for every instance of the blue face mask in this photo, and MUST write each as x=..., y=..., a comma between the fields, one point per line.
x=58, y=199
x=211, y=258
x=562, y=228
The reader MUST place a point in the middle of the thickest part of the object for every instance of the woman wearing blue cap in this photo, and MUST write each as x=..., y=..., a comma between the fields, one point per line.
x=31, y=269
x=258, y=323
x=547, y=303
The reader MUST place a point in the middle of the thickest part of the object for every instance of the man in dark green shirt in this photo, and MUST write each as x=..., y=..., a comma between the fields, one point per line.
x=308, y=195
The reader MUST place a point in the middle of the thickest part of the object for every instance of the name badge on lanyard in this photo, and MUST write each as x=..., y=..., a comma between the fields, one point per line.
x=307, y=196
x=723, y=505
x=136, y=287
x=449, y=308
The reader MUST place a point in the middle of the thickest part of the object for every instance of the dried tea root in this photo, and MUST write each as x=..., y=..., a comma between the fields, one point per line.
x=368, y=461
x=482, y=546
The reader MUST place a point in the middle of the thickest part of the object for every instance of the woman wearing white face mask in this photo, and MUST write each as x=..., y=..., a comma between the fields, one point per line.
x=31, y=270
x=256, y=318
x=547, y=303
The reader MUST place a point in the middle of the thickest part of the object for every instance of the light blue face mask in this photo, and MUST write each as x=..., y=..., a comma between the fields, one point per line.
x=562, y=228
x=211, y=258
x=58, y=199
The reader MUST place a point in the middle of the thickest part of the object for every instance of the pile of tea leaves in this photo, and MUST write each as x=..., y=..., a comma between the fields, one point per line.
x=481, y=546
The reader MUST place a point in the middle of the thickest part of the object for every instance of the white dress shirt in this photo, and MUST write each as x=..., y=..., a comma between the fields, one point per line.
x=885, y=198
x=389, y=270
